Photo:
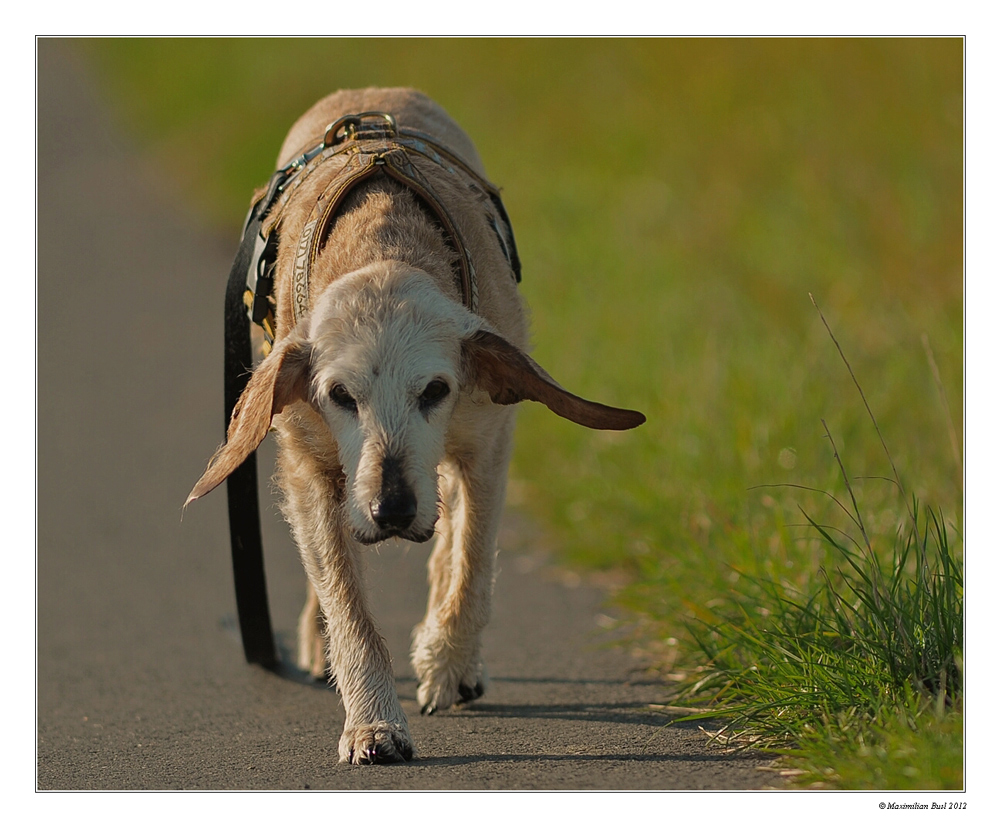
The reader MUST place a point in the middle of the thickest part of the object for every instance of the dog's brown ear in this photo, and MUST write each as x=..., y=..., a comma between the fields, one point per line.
x=509, y=375
x=282, y=378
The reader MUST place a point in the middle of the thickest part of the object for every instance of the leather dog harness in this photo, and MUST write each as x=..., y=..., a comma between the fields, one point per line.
x=367, y=144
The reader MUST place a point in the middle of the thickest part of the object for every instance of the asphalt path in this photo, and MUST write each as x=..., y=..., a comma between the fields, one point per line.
x=141, y=682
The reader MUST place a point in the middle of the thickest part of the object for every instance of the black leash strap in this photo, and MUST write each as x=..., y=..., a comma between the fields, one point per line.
x=241, y=486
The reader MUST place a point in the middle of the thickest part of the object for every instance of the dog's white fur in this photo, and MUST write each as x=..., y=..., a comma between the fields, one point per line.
x=392, y=407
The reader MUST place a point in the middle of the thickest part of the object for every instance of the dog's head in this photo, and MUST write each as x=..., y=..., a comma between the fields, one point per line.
x=385, y=359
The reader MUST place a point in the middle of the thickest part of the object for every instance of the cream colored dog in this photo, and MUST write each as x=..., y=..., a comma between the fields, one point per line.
x=390, y=387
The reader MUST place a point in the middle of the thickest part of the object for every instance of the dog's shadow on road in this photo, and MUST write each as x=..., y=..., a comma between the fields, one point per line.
x=639, y=714
x=632, y=712
x=617, y=713
x=653, y=756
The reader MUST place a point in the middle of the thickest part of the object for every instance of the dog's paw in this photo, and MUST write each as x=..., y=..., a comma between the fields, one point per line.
x=380, y=743
x=447, y=674
x=433, y=696
x=313, y=662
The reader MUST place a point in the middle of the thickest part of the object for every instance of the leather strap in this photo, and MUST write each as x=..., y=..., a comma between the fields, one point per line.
x=246, y=545
x=392, y=160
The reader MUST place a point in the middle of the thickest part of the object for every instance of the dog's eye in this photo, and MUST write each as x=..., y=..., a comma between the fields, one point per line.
x=433, y=393
x=340, y=397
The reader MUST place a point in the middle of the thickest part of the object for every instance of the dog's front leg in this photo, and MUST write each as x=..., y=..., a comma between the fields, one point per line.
x=446, y=644
x=376, y=729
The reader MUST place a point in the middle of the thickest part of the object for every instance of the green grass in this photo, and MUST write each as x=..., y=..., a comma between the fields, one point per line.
x=861, y=665
x=675, y=203
x=864, y=662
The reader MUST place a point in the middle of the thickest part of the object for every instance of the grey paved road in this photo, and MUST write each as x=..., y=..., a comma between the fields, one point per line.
x=141, y=682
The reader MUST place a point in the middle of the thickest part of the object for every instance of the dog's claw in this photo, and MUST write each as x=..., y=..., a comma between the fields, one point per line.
x=428, y=708
x=375, y=745
x=470, y=693
x=380, y=754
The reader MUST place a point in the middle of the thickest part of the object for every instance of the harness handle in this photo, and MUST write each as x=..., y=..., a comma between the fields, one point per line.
x=350, y=124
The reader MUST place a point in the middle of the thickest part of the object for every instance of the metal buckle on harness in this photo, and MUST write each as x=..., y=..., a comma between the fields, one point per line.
x=260, y=265
x=260, y=283
x=351, y=124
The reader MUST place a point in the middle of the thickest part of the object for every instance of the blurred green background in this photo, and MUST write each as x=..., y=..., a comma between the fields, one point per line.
x=675, y=203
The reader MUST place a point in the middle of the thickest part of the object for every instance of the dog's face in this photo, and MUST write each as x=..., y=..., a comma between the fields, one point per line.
x=385, y=357
x=386, y=374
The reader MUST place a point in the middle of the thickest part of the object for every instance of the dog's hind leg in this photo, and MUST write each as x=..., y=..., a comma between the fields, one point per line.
x=312, y=637
x=446, y=644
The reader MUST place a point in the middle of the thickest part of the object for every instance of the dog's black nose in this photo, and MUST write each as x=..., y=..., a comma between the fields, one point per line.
x=394, y=513
x=395, y=506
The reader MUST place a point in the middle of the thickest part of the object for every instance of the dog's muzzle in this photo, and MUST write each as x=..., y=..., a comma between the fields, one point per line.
x=394, y=508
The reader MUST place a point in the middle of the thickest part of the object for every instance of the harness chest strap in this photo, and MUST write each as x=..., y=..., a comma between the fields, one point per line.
x=394, y=162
